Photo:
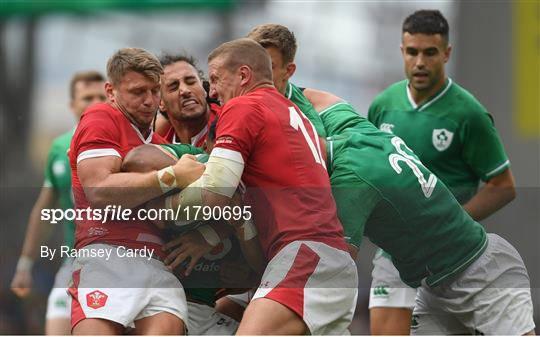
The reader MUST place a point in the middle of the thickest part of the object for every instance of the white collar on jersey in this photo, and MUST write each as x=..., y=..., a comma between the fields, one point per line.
x=195, y=139
x=288, y=90
x=148, y=139
x=431, y=101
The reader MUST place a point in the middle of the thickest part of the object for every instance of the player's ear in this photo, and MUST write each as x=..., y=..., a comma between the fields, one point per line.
x=109, y=91
x=245, y=74
x=291, y=69
x=447, y=53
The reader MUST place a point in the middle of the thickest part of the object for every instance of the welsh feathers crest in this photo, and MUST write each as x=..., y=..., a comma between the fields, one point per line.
x=442, y=139
x=96, y=299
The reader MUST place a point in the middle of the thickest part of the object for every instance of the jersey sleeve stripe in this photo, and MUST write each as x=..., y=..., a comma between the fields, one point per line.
x=331, y=107
x=227, y=154
x=498, y=170
x=97, y=153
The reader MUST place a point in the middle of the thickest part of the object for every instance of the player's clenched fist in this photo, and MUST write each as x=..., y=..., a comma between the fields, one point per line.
x=187, y=170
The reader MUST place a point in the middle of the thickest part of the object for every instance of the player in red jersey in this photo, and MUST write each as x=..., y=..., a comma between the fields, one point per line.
x=310, y=283
x=113, y=293
x=184, y=102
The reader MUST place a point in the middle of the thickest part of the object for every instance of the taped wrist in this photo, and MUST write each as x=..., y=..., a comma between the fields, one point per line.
x=167, y=179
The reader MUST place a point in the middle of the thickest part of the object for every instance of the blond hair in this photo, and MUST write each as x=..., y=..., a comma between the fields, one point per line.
x=244, y=51
x=133, y=59
x=277, y=36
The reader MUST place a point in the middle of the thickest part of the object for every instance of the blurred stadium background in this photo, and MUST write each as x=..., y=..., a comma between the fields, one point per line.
x=350, y=48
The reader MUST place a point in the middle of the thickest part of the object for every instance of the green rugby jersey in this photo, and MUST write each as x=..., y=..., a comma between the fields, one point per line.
x=296, y=95
x=339, y=117
x=383, y=191
x=178, y=150
x=58, y=177
x=451, y=132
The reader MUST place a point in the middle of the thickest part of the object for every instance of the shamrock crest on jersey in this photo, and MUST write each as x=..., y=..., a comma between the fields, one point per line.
x=442, y=139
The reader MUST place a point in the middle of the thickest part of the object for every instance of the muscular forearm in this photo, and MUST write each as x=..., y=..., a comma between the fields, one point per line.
x=488, y=200
x=105, y=185
x=142, y=188
x=497, y=192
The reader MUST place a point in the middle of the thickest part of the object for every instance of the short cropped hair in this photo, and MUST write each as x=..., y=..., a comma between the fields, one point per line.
x=277, y=36
x=168, y=59
x=84, y=76
x=133, y=59
x=244, y=51
x=428, y=22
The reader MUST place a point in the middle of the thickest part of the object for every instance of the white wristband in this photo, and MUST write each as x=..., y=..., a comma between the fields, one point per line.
x=167, y=179
x=209, y=234
x=25, y=263
x=247, y=231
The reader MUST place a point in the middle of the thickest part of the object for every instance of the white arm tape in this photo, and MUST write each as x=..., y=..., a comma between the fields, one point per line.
x=247, y=231
x=24, y=264
x=209, y=234
x=188, y=197
x=167, y=179
x=222, y=175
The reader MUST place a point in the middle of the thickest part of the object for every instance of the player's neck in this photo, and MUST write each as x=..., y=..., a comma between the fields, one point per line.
x=185, y=130
x=283, y=90
x=422, y=96
x=257, y=85
x=143, y=129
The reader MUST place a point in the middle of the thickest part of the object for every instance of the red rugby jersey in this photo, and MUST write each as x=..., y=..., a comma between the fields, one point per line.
x=287, y=182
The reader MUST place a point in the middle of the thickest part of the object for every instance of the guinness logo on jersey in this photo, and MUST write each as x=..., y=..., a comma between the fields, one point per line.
x=442, y=139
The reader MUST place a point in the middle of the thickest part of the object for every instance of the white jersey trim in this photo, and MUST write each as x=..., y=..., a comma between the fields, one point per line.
x=227, y=154
x=331, y=144
x=498, y=169
x=195, y=139
x=472, y=258
x=95, y=153
x=289, y=88
x=331, y=107
x=148, y=139
x=430, y=102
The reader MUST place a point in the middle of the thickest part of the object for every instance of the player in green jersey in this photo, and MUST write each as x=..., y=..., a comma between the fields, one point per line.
x=468, y=282
x=85, y=88
x=280, y=44
x=336, y=115
x=453, y=135
x=328, y=113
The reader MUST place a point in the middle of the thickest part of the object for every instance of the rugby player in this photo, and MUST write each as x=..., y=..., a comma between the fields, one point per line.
x=108, y=296
x=453, y=135
x=300, y=243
